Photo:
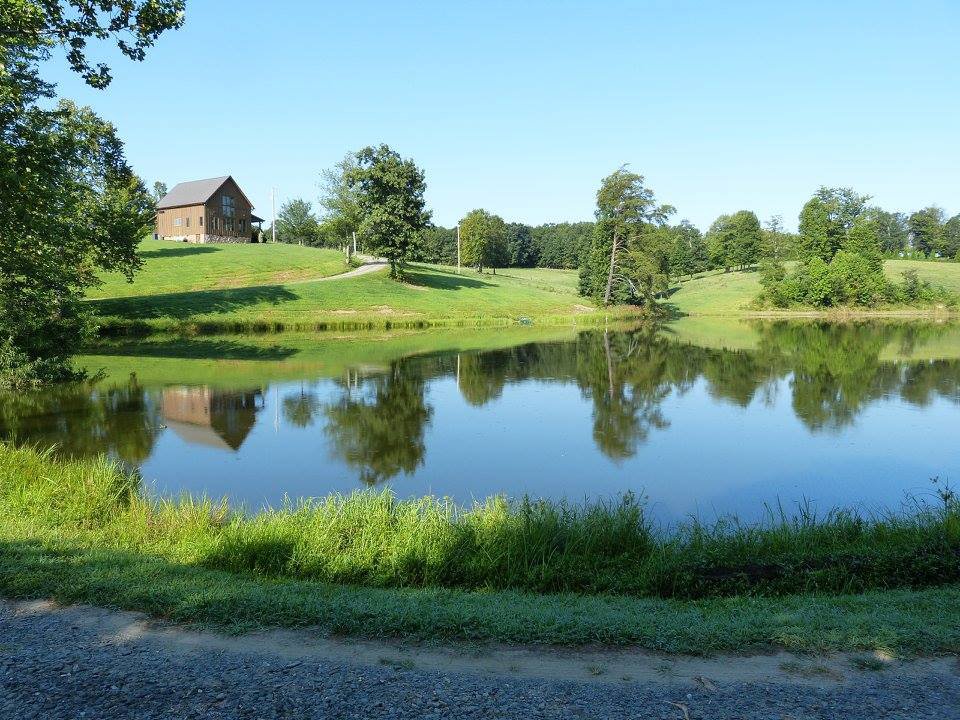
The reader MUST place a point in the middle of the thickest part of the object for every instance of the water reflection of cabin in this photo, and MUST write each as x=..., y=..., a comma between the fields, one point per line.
x=202, y=416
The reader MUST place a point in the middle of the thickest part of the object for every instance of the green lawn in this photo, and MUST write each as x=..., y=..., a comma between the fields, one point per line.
x=180, y=267
x=431, y=295
x=719, y=293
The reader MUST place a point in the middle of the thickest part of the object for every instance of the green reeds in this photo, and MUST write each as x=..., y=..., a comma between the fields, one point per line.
x=373, y=539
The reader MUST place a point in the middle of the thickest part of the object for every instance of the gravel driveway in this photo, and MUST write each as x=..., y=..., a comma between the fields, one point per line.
x=86, y=663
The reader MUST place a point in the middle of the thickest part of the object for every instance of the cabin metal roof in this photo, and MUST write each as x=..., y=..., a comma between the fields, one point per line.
x=195, y=192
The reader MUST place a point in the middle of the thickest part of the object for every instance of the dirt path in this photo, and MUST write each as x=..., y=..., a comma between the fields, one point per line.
x=67, y=662
x=365, y=269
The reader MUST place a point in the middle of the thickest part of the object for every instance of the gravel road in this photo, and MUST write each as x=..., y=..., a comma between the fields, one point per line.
x=92, y=664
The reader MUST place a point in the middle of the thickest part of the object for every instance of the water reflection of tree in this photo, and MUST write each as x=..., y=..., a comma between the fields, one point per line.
x=625, y=376
x=835, y=371
x=378, y=427
x=301, y=409
x=83, y=420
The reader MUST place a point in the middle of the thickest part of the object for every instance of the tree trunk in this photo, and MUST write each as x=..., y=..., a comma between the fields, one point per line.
x=606, y=348
x=613, y=260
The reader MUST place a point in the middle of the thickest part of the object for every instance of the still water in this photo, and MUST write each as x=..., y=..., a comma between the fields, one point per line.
x=700, y=420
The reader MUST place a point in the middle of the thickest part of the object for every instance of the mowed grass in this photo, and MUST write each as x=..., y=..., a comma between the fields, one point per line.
x=171, y=267
x=430, y=296
x=533, y=572
x=719, y=293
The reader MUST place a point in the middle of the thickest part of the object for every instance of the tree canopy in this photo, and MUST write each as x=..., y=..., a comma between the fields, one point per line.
x=339, y=201
x=389, y=192
x=134, y=25
x=626, y=259
x=483, y=240
x=70, y=205
x=297, y=224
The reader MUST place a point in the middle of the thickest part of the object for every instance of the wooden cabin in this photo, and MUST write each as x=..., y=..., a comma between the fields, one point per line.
x=207, y=211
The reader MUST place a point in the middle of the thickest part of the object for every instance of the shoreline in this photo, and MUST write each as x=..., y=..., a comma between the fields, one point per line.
x=81, y=532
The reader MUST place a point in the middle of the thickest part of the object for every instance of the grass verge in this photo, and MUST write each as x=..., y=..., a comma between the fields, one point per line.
x=368, y=564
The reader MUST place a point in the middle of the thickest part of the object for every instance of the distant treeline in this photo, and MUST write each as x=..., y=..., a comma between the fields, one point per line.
x=553, y=245
x=633, y=249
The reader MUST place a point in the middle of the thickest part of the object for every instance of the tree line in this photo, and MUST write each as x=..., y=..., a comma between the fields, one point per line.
x=632, y=253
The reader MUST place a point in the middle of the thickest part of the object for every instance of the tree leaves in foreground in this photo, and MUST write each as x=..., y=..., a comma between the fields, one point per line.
x=390, y=197
x=134, y=25
x=70, y=205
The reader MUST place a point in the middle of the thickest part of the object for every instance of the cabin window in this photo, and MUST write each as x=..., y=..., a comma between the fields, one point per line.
x=178, y=222
x=243, y=225
x=228, y=206
x=188, y=222
x=201, y=221
x=216, y=222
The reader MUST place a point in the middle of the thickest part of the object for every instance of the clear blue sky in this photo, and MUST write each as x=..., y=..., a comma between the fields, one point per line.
x=522, y=107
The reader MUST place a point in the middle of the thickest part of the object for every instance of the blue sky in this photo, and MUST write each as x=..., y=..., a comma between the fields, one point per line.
x=522, y=107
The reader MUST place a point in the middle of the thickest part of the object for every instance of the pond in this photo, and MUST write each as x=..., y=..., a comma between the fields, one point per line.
x=703, y=418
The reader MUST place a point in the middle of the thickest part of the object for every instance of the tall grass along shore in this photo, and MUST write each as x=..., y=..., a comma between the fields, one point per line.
x=372, y=539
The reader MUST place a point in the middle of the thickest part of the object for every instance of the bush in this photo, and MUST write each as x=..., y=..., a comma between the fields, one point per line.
x=17, y=371
x=855, y=281
x=850, y=279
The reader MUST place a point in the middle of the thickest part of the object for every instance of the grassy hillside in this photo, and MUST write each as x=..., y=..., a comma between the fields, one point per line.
x=432, y=295
x=179, y=267
x=722, y=293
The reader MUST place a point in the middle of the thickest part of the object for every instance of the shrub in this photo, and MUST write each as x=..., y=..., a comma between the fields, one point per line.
x=850, y=279
x=17, y=371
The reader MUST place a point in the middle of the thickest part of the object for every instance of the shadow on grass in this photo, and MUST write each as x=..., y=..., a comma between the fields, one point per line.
x=193, y=348
x=184, y=251
x=906, y=621
x=183, y=305
x=441, y=280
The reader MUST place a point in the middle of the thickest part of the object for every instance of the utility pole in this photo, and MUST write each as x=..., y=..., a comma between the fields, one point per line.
x=458, y=253
x=273, y=202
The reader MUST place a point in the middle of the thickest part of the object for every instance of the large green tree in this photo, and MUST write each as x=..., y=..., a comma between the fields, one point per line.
x=826, y=219
x=950, y=238
x=626, y=210
x=69, y=203
x=688, y=253
x=389, y=191
x=892, y=230
x=297, y=224
x=736, y=239
x=777, y=244
x=339, y=202
x=483, y=240
x=521, y=250
x=926, y=229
